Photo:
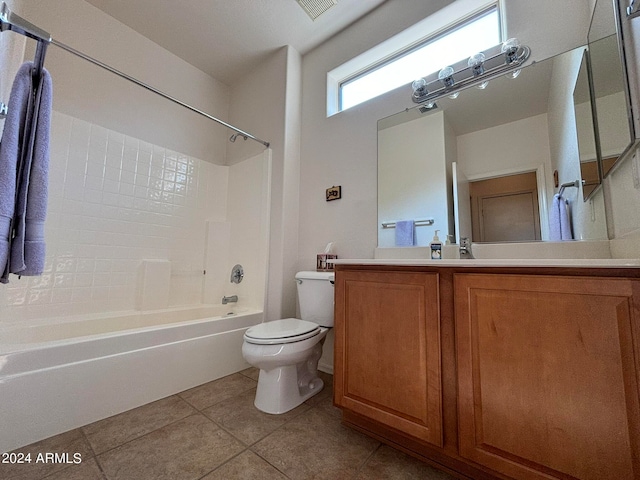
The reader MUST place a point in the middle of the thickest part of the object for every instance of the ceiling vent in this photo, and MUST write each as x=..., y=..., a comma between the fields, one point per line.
x=315, y=8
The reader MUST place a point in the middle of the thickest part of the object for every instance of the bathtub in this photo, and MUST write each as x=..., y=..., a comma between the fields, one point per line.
x=60, y=374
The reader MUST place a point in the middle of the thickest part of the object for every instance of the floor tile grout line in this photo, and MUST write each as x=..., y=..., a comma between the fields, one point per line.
x=223, y=463
x=95, y=456
x=214, y=404
x=152, y=431
x=274, y=466
x=369, y=457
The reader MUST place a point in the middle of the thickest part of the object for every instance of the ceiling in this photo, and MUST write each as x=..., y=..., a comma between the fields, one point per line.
x=225, y=38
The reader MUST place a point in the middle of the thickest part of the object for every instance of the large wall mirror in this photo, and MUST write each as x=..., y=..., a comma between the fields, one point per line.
x=561, y=125
x=610, y=86
x=429, y=161
x=586, y=129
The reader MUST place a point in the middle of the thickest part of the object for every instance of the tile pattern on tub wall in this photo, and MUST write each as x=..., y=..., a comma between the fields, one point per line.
x=115, y=200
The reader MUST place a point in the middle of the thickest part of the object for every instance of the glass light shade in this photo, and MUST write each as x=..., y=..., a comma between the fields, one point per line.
x=419, y=87
x=446, y=76
x=476, y=63
x=510, y=49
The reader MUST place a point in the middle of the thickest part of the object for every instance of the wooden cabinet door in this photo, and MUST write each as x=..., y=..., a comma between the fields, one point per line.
x=387, y=350
x=548, y=375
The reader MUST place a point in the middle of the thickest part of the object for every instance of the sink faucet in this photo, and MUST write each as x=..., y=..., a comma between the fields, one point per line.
x=232, y=298
x=465, y=248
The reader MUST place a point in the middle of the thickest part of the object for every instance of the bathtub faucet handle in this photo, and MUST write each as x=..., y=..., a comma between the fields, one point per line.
x=237, y=274
x=232, y=298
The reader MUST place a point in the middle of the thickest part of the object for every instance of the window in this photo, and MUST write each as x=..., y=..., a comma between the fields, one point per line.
x=456, y=42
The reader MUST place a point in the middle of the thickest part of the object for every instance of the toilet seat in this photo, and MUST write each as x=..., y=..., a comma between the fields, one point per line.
x=286, y=330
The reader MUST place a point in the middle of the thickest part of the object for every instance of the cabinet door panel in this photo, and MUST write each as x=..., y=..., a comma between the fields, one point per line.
x=546, y=375
x=388, y=350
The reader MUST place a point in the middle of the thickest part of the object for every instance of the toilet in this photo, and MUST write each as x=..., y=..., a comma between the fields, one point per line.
x=287, y=351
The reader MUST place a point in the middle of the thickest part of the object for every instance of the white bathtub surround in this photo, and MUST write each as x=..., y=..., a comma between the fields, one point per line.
x=60, y=374
x=154, y=284
x=243, y=238
x=116, y=201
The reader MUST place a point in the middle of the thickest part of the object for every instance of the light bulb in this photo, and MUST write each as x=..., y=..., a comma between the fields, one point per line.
x=515, y=73
x=454, y=95
x=419, y=87
x=446, y=77
x=482, y=86
x=510, y=50
x=476, y=63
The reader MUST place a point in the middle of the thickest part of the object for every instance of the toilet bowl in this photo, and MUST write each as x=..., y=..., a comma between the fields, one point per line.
x=287, y=351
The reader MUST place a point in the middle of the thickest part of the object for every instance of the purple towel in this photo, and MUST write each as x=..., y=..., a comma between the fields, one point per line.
x=405, y=233
x=23, y=203
x=559, y=222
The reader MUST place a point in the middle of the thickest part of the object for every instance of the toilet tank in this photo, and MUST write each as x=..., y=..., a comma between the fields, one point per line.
x=315, y=295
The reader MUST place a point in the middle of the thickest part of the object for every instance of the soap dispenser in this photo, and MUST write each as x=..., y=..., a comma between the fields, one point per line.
x=436, y=247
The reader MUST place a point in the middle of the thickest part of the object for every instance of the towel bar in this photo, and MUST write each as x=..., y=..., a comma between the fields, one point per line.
x=575, y=184
x=417, y=223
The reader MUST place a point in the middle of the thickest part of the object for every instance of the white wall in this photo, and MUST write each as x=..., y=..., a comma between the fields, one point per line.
x=517, y=146
x=268, y=102
x=87, y=92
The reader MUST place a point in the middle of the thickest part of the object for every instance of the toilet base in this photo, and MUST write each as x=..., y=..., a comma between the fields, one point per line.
x=278, y=391
x=284, y=388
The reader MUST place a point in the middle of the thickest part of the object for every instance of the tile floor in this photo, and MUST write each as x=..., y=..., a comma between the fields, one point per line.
x=213, y=432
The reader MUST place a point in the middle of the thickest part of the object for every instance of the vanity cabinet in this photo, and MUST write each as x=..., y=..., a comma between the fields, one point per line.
x=389, y=363
x=547, y=379
x=497, y=373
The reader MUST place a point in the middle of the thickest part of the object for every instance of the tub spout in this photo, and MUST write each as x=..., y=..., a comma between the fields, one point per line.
x=232, y=298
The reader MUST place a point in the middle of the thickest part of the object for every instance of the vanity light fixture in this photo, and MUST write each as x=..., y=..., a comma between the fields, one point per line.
x=507, y=57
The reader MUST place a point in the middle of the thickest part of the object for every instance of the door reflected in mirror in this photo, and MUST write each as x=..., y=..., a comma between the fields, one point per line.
x=505, y=209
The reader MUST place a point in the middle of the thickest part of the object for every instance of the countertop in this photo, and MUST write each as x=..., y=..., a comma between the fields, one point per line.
x=501, y=262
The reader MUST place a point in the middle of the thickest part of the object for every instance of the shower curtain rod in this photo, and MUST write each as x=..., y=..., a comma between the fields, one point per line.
x=11, y=21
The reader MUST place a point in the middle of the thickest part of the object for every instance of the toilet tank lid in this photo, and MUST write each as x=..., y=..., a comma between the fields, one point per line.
x=311, y=275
